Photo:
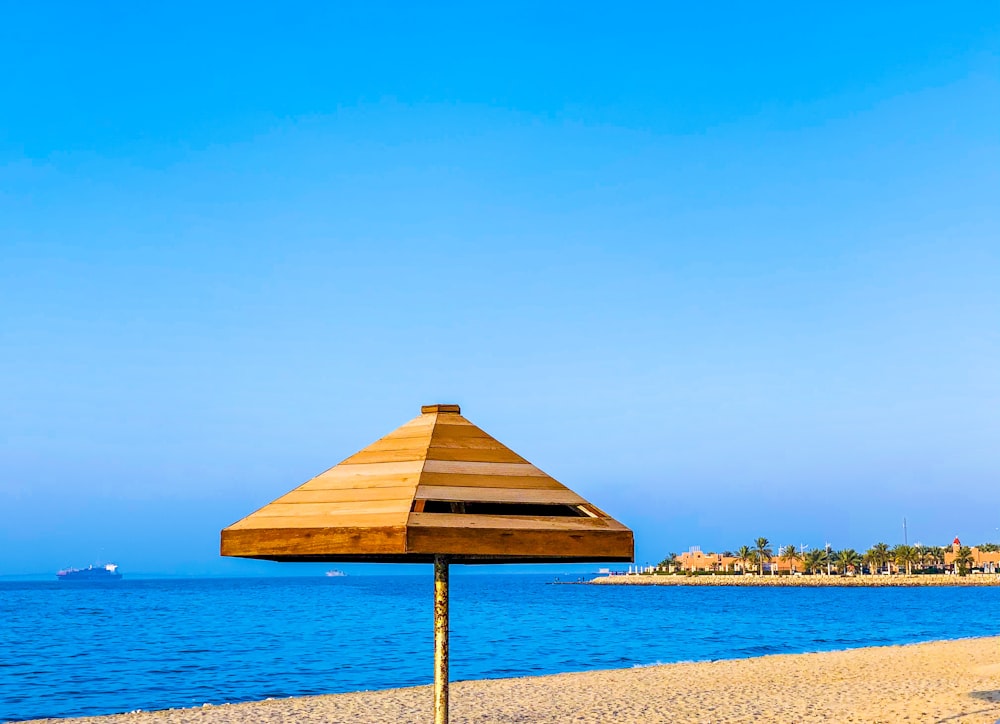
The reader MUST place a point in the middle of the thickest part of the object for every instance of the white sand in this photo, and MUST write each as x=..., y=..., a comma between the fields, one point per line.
x=946, y=682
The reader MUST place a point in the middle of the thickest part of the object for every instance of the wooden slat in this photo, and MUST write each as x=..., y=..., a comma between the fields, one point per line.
x=455, y=441
x=338, y=510
x=464, y=443
x=371, y=470
x=495, y=469
x=416, y=433
x=449, y=429
x=417, y=427
x=373, y=520
x=474, y=455
x=515, y=523
x=393, y=442
x=396, y=441
x=389, y=481
x=386, y=456
x=313, y=541
x=451, y=419
x=396, y=492
x=459, y=432
x=415, y=437
x=498, y=495
x=421, y=421
x=490, y=481
x=603, y=544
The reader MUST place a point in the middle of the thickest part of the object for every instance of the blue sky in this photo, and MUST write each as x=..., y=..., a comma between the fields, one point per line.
x=725, y=272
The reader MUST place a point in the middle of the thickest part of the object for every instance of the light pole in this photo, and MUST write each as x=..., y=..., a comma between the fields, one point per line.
x=828, y=559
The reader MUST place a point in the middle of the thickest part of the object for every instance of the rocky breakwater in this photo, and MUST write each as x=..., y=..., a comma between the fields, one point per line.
x=803, y=581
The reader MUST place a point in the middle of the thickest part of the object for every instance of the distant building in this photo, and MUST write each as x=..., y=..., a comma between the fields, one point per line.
x=695, y=561
x=986, y=561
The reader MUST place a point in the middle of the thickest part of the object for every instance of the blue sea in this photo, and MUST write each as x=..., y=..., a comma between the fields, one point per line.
x=84, y=649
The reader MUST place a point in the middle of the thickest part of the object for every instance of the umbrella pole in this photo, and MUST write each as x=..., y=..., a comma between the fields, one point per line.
x=440, y=640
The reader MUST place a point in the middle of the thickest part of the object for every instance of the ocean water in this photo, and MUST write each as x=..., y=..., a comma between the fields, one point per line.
x=73, y=650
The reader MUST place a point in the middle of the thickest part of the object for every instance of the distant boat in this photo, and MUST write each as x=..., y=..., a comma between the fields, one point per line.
x=107, y=572
x=335, y=573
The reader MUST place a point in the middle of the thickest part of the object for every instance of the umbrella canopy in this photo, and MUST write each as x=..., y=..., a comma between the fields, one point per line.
x=437, y=485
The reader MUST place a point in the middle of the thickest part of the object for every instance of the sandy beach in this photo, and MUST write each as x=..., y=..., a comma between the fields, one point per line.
x=953, y=682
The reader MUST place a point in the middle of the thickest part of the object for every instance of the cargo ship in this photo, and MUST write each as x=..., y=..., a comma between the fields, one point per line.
x=107, y=572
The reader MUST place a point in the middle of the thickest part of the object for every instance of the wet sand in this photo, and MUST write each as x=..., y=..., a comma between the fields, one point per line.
x=946, y=682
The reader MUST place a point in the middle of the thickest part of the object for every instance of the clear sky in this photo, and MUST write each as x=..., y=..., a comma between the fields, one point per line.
x=727, y=271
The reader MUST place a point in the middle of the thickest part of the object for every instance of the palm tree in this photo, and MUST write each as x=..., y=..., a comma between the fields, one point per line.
x=848, y=558
x=963, y=560
x=895, y=556
x=931, y=556
x=879, y=555
x=869, y=560
x=744, y=555
x=669, y=561
x=912, y=558
x=939, y=556
x=926, y=556
x=815, y=560
x=790, y=554
x=762, y=551
x=905, y=556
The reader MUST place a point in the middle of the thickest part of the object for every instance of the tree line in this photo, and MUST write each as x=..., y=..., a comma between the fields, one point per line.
x=877, y=559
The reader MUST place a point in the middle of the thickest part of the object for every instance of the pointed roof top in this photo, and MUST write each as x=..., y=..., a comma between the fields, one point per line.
x=435, y=485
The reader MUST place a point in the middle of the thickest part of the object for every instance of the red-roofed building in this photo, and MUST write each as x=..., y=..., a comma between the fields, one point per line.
x=985, y=561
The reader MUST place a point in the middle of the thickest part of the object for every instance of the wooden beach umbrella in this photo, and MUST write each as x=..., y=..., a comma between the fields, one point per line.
x=435, y=490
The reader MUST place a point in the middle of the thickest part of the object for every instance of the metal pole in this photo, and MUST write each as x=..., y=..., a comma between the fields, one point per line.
x=440, y=640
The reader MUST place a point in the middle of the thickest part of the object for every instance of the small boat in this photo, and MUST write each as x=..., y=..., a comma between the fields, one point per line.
x=107, y=572
x=335, y=573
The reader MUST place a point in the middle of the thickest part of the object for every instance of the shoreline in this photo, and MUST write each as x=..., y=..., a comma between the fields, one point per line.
x=956, y=681
x=814, y=581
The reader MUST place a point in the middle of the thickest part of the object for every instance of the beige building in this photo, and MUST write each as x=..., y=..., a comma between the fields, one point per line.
x=695, y=561
x=985, y=561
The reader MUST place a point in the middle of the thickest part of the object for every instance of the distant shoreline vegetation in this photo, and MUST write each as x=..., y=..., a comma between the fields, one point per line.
x=817, y=581
x=762, y=559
